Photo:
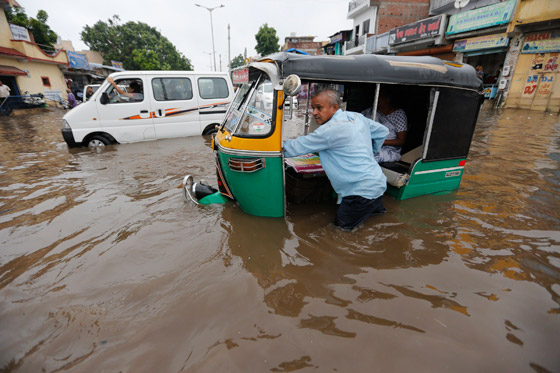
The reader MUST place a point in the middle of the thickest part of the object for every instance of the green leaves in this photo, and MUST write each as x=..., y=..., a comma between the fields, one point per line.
x=137, y=45
x=267, y=41
x=42, y=34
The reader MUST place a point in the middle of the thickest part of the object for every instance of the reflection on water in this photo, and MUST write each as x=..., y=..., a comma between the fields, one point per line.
x=103, y=266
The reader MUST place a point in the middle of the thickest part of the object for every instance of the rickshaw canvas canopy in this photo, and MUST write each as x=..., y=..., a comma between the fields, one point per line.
x=370, y=68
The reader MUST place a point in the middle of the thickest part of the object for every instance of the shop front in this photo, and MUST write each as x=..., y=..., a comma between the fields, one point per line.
x=487, y=53
x=535, y=84
x=480, y=39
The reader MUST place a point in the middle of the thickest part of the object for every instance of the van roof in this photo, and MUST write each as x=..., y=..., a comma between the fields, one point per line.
x=167, y=72
x=371, y=68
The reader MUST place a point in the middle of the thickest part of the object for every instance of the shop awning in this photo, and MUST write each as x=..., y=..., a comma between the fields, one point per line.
x=11, y=71
x=485, y=51
x=11, y=52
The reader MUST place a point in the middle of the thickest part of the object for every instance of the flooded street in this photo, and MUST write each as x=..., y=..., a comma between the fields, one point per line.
x=104, y=266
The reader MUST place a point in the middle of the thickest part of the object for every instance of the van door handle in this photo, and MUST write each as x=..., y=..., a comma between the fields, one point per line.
x=144, y=111
x=161, y=114
x=145, y=114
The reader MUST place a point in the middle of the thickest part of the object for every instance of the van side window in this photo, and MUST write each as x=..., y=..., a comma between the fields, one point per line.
x=128, y=90
x=169, y=89
x=213, y=88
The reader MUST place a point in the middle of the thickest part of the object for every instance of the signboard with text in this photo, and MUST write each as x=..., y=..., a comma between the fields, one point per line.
x=544, y=42
x=488, y=16
x=77, y=60
x=240, y=76
x=530, y=85
x=414, y=31
x=117, y=65
x=19, y=33
x=481, y=42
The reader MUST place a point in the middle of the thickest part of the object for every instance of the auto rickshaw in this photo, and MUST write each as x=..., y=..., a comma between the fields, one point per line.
x=441, y=99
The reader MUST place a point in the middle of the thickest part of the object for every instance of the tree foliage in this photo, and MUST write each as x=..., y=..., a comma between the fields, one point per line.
x=137, y=45
x=44, y=37
x=267, y=41
x=237, y=61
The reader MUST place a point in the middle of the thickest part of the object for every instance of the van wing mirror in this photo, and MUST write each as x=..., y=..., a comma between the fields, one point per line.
x=104, y=99
x=292, y=85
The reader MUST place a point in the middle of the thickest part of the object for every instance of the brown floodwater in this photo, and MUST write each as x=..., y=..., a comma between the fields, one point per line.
x=104, y=266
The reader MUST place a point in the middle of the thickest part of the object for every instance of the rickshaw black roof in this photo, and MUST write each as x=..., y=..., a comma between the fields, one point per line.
x=423, y=70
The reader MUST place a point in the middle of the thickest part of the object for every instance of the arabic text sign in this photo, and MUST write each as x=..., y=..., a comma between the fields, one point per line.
x=482, y=42
x=488, y=16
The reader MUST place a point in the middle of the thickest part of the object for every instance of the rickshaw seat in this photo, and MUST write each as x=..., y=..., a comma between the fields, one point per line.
x=412, y=155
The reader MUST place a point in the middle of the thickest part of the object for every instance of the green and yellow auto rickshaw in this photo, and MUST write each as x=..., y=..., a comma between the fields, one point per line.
x=441, y=99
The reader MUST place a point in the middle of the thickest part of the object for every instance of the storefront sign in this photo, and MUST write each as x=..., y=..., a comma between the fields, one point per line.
x=545, y=88
x=482, y=42
x=117, y=65
x=545, y=42
x=337, y=37
x=77, y=60
x=488, y=16
x=530, y=85
x=418, y=30
x=537, y=62
x=551, y=63
x=19, y=33
x=240, y=76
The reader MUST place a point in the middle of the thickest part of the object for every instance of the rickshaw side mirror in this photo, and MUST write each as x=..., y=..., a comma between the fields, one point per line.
x=292, y=85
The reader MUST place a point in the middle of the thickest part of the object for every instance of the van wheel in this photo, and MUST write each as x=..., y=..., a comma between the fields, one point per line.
x=210, y=131
x=97, y=141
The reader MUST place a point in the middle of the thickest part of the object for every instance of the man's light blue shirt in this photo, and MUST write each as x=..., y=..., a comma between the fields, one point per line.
x=345, y=148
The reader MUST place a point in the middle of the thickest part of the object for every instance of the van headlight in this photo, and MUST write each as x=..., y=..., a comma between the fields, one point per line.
x=65, y=124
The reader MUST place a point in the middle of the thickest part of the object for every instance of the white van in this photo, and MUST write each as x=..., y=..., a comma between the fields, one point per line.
x=164, y=104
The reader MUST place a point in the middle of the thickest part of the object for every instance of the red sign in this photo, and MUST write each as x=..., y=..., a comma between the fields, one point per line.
x=240, y=76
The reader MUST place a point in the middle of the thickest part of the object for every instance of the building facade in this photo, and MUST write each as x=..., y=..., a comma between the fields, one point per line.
x=376, y=18
x=303, y=43
x=534, y=56
x=24, y=67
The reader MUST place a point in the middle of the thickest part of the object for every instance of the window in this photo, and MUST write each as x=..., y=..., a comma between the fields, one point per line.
x=256, y=120
x=365, y=27
x=210, y=88
x=46, y=81
x=169, y=89
x=131, y=90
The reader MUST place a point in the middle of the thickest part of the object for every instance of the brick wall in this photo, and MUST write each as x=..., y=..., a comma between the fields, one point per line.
x=395, y=13
x=310, y=47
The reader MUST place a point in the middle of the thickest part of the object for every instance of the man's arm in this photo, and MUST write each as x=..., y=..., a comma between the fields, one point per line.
x=378, y=134
x=314, y=142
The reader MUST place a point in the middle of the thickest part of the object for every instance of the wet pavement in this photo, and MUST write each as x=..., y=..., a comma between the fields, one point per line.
x=104, y=267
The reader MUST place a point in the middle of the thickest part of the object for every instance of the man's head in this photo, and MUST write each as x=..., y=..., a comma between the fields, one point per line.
x=324, y=104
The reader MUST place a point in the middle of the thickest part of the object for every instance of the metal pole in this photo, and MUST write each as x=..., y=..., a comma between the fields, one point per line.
x=212, y=28
x=228, y=49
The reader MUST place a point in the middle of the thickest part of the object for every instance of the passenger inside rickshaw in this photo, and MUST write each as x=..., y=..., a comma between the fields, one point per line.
x=305, y=180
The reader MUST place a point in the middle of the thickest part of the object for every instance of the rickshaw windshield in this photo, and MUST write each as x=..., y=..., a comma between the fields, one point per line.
x=252, y=117
x=234, y=112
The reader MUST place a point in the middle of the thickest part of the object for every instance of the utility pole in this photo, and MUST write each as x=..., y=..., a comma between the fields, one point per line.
x=212, y=28
x=228, y=48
